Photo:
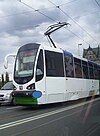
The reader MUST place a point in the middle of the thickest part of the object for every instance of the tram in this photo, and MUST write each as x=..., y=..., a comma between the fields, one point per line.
x=44, y=75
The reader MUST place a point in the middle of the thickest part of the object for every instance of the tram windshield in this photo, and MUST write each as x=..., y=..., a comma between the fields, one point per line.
x=24, y=65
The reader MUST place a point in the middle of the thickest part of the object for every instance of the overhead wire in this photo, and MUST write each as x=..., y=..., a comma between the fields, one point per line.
x=68, y=2
x=86, y=14
x=48, y=18
x=78, y=37
x=57, y=6
x=25, y=12
x=17, y=28
x=22, y=27
x=37, y=10
x=97, y=3
x=16, y=14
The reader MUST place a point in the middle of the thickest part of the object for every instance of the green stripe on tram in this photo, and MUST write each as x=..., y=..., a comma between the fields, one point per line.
x=25, y=100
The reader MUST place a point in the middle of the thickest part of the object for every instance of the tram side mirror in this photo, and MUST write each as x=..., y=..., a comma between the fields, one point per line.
x=6, y=59
x=39, y=74
x=6, y=62
x=5, y=65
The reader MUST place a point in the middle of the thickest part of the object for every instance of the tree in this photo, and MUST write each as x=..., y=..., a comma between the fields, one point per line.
x=0, y=83
x=2, y=79
x=6, y=77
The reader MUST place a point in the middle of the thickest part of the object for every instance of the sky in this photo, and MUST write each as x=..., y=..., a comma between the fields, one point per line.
x=25, y=21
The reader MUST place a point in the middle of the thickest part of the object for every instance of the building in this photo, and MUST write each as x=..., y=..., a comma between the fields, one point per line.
x=92, y=54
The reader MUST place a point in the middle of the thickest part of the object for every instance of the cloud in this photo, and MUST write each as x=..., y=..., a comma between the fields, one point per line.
x=20, y=24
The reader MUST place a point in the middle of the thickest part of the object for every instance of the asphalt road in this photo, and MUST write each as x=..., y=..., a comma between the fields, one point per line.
x=80, y=118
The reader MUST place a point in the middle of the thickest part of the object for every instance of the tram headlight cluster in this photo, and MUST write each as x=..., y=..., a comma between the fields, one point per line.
x=31, y=87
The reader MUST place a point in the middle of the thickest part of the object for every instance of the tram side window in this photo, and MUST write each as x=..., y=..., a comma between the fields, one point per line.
x=78, y=68
x=69, y=66
x=91, y=71
x=54, y=64
x=85, y=70
x=40, y=67
x=96, y=71
x=99, y=72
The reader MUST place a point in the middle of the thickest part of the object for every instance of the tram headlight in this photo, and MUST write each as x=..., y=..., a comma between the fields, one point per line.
x=37, y=94
x=31, y=87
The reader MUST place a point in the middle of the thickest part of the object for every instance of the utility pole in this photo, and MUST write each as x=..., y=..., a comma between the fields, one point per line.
x=79, y=49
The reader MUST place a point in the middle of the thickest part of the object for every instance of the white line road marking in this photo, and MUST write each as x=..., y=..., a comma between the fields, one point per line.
x=15, y=123
x=14, y=107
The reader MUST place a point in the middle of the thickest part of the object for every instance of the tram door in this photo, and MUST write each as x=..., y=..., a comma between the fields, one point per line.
x=55, y=80
x=69, y=70
x=40, y=78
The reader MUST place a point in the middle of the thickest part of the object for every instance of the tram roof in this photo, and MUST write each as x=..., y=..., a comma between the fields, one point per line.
x=92, y=62
x=51, y=48
x=75, y=56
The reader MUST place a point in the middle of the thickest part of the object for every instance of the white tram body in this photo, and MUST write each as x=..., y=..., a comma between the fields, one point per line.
x=54, y=76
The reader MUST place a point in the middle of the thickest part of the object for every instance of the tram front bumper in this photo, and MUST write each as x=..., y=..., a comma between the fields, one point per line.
x=24, y=98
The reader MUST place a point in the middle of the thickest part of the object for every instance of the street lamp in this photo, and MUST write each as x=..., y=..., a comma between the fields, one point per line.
x=79, y=48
